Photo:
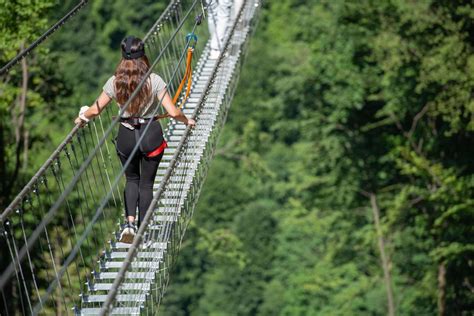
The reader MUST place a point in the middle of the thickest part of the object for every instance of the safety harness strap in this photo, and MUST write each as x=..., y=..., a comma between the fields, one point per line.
x=187, y=79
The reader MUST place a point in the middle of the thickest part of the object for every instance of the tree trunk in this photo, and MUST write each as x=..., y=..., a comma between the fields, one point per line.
x=18, y=119
x=26, y=138
x=3, y=169
x=383, y=255
x=22, y=103
x=441, y=289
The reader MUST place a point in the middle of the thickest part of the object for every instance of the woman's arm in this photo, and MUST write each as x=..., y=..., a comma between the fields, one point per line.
x=96, y=108
x=172, y=110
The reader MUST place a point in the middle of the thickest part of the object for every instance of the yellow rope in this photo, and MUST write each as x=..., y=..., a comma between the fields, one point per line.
x=187, y=79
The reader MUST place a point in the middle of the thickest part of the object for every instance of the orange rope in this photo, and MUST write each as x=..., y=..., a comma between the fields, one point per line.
x=187, y=79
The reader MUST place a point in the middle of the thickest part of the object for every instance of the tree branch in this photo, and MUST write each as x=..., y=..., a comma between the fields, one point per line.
x=417, y=117
x=441, y=289
x=383, y=256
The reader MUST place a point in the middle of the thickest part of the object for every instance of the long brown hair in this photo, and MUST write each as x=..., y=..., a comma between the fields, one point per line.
x=128, y=75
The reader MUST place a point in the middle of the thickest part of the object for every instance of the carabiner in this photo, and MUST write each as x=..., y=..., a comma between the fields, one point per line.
x=192, y=37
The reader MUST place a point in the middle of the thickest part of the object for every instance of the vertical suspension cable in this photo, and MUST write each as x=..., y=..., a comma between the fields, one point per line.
x=59, y=181
x=5, y=303
x=88, y=178
x=33, y=275
x=81, y=211
x=109, y=158
x=71, y=217
x=51, y=249
x=44, y=181
x=104, y=167
x=73, y=222
x=57, y=173
x=83, y=145
x=17, y=264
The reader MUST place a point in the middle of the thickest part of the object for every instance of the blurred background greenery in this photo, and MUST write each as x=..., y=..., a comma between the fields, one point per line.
x=343, y=182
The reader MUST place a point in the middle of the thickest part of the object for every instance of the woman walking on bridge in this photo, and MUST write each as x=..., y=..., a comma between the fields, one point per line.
x=140, y=173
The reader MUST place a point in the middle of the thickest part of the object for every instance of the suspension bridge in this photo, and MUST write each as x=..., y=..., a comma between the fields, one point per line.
x=59, y=236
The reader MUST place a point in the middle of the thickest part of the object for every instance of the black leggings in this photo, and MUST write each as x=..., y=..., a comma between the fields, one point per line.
x=140, y=173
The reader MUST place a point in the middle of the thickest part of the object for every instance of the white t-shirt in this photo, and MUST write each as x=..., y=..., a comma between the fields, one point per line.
x=157, y=86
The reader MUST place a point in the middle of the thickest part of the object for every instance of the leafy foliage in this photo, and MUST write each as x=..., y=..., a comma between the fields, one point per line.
x=339, y=99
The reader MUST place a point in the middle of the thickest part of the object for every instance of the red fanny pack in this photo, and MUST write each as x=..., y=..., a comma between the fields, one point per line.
x=158, y=150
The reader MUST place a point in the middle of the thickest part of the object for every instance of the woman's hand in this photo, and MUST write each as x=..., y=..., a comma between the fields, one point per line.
x=191, y=123
x=86, y=113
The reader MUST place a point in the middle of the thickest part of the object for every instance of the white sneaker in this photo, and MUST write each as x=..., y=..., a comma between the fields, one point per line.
x=214, y=54
x=128, y=233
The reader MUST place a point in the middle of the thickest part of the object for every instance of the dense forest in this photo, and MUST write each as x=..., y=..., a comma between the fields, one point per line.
x=343, y=182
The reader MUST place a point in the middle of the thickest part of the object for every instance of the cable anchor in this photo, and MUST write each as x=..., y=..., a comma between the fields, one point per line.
x=199, y=18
